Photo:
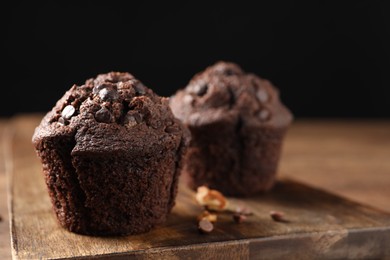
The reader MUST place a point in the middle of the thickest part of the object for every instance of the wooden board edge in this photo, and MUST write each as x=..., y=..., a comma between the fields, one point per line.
x=352, y=244
x=234, y=249
x=335, y=244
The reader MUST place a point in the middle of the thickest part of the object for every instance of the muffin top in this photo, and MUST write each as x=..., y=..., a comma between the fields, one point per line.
x=111, y=113
x=225, y=91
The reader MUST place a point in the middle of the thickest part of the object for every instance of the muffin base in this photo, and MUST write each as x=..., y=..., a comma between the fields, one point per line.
x=238, y=161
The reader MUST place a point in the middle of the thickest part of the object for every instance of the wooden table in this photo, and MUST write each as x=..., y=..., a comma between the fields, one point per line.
x=347, y=157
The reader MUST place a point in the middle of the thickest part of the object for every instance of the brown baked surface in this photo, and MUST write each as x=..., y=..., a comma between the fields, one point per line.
x=111, y=152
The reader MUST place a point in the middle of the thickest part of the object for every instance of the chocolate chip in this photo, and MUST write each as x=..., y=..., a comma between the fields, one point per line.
x=97, y=88
x=201, y=90
x=229, y=72
x=133, y=118
x=62, y=121
x=172, y=129
x=140, y=89
x=278, y=216
x=68, y=112
x=130, y=120
x=264, y=115
x=239, y=218
x=205, y=226
x=108, y=94
x=103, y=115
x=262, y=95
x=188, y=99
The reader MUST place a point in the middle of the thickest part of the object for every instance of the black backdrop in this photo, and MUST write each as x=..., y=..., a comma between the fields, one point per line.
x=328, y=59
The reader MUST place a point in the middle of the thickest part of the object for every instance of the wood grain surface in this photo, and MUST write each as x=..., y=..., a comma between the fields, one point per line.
x=5, y=252
x=348, y=158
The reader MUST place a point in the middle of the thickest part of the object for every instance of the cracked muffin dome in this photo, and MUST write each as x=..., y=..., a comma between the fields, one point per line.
x=111, y=151
x=237, y=122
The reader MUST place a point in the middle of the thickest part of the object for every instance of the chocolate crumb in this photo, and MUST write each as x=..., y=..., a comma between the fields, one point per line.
x=205, y=226
x=278, y=216
x=239, y=218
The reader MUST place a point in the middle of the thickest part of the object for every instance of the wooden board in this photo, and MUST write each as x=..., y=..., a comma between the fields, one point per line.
x=5, y=252
x=322, y=224
x=347, y=157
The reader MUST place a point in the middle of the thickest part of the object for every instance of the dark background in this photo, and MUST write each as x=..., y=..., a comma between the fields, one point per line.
x=328, y=58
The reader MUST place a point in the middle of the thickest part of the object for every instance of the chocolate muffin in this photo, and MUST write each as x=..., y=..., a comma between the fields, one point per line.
x=237, y=124
x=111, y=152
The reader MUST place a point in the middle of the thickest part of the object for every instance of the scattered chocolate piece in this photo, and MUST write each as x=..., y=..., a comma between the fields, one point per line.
x=244, y=211
x=278, y=216
x=239, y=218
x=262, y=95
x=68, y=112
x=103, y=115
x=216, y=204
x=205, y=226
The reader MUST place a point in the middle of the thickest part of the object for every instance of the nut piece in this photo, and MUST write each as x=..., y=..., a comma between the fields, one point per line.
x=211, y=199
x=207, y=215
x=205, y=226
x=278, y=216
